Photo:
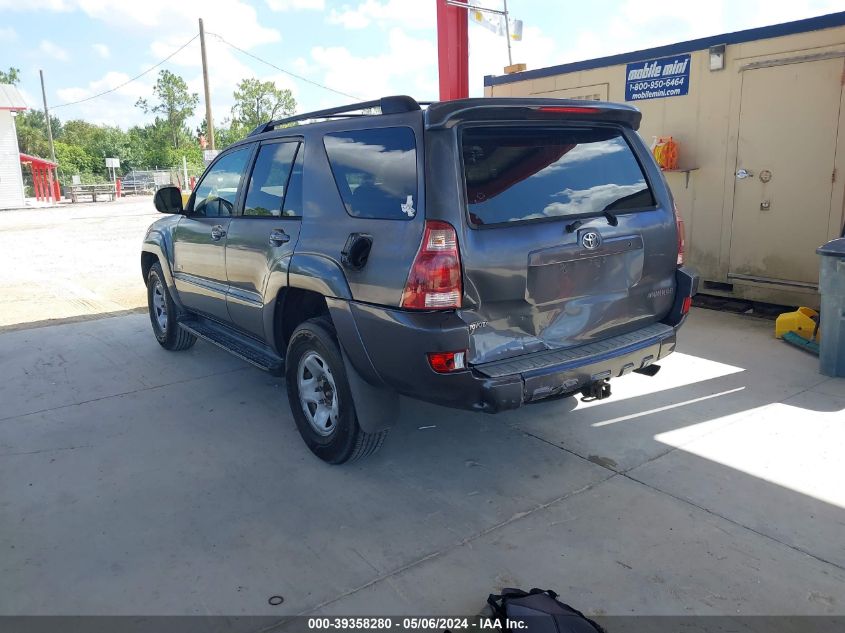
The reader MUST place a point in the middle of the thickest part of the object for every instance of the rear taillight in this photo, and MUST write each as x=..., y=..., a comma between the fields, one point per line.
x=446, y=362
x=681, y=239
x=434, y=282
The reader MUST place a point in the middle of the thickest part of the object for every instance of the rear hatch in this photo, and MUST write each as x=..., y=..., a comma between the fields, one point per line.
x=567, y=232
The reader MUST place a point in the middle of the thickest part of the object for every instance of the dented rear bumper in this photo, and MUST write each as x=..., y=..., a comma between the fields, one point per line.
x=388, y=347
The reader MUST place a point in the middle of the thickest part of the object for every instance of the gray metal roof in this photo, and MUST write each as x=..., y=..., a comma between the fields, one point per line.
x=10, y=98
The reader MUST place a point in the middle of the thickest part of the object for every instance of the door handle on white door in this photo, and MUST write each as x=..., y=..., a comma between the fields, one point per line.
x=742, y=174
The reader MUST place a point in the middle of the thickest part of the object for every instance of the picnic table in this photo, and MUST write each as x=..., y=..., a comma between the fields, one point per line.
x=94, y=191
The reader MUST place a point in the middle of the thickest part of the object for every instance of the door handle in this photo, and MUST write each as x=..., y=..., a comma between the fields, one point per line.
x=218, y=232
x=278, y=237
x=742, y=174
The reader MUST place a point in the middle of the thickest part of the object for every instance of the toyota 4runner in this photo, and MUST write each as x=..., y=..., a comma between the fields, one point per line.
x=479, y=254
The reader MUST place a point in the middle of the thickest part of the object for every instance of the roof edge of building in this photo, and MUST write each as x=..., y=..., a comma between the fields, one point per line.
x=817, y=23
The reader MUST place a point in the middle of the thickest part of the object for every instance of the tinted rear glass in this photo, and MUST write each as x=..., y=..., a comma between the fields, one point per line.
x=520, y=174
x=375, y=171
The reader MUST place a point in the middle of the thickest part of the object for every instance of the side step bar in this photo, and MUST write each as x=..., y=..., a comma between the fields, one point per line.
x=235, y=343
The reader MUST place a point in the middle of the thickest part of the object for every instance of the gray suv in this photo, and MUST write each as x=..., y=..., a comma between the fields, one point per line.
x=479, y=254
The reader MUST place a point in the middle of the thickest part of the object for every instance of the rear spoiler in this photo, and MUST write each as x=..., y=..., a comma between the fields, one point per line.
x=445, y=114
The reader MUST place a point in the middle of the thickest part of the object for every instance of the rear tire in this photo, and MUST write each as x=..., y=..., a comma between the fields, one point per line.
x=320, y=397
x=163, y=313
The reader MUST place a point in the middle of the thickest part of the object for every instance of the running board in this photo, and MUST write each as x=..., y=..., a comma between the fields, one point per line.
x=235, y=343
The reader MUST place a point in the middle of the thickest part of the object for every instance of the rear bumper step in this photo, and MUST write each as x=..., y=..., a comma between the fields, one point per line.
x=574, y=356
x=554, y=373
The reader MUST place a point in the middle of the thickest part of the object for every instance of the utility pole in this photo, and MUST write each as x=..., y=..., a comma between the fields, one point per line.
x=47, y=117
x=209, y=124
x=507, y=31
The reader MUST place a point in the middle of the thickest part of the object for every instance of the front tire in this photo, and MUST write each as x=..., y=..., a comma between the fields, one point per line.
x=163, y=313
x=320, y=397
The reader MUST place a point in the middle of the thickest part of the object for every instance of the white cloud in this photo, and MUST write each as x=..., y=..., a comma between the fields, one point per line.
x=408, y=64
x=116, y=108
x=295, y=5
x=8, y=34
x=417, y=15
x=237, y=19
x=51, y=49
x=592, y=200
x=102, y=50
x=35, y=5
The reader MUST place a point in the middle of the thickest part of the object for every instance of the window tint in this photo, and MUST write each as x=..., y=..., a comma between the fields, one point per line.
x=293, y=199
x=216, y=194
x=269, y=179
x=517, y=174
x=375, y=171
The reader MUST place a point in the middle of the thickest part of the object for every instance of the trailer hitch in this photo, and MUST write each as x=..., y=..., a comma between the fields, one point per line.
x=598, y=390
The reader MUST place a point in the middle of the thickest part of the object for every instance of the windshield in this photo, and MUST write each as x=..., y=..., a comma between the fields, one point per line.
x=516, y=174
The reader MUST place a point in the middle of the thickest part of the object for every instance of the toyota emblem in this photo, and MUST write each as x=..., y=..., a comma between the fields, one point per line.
x=591, y=240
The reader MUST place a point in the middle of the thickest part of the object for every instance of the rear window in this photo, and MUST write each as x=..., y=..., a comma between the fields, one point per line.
x=375, y=171
x=523, y=174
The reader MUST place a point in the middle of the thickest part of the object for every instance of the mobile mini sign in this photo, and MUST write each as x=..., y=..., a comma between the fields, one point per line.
x=657, y=78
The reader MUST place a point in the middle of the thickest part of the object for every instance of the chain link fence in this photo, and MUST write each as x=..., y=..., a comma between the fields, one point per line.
x=148, y=181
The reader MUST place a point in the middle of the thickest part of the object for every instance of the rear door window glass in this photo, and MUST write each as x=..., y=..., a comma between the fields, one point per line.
x=218, y=191
x=522, y=174
x=375, y=171
x=269, y=179
x=293, y=196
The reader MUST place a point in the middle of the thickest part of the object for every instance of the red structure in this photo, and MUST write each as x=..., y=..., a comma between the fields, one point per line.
x=45, y=181
x=452, y=51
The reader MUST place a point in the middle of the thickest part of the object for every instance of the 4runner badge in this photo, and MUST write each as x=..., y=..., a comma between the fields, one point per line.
x=591, y=240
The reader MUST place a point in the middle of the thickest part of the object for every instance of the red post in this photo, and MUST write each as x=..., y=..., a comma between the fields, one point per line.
x=56, y=188
x=452, y=51
x=36, y=182
x=117, y=187
x=193, y=182
x=48, y=175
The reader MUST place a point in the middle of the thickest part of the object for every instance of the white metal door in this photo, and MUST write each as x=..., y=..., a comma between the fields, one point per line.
x=785, y=169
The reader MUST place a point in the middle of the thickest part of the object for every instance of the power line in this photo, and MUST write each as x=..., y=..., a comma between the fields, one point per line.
x=129, y=81
x=287, y=72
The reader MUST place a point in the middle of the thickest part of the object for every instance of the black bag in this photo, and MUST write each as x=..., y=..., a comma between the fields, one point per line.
x=541, y=612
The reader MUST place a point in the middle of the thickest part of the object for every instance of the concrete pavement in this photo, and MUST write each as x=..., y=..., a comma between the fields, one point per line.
x=73, y=261
x=138, y=481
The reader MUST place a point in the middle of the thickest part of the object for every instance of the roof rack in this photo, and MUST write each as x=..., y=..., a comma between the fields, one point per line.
x=388, y=105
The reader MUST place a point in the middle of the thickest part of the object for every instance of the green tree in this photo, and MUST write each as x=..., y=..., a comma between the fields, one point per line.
x=257, y=102
x=13, y=76
x=102, y=141
x=175, y=104
x=73, y=159
x=32, y=132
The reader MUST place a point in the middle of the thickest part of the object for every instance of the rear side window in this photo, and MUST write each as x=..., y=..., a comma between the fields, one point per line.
x=522, y=174
x=269, y=179
x=375, y=171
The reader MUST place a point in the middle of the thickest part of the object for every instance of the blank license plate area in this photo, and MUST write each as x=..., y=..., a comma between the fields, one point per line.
x=589, y=276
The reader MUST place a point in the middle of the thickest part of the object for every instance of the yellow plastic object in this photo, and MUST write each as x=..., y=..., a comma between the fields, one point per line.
x=185, y=196
x=801, y=322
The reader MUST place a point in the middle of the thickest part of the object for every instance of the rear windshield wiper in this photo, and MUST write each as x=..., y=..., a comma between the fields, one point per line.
x=612, y=220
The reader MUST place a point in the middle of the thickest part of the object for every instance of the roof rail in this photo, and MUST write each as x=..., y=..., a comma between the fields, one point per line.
x=388, y=105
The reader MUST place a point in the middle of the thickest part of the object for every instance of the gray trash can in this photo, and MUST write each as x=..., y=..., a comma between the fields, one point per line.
x=832, y=313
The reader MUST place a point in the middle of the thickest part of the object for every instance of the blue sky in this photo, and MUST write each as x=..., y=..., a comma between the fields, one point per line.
x=365, y=48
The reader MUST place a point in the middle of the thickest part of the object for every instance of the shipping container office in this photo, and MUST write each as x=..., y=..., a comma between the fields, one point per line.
x=757, y=115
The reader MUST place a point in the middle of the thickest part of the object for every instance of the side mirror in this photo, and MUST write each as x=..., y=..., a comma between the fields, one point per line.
x=168, y=200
